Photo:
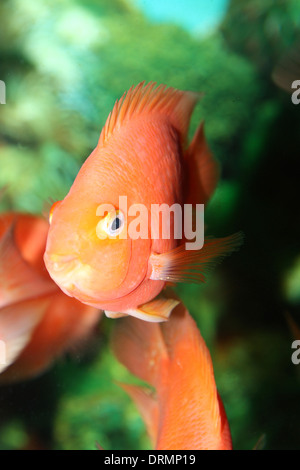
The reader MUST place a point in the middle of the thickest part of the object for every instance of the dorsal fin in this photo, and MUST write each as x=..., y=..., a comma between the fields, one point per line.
x=144, y=99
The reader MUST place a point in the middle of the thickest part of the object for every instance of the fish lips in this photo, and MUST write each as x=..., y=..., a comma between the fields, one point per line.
x=62, y=269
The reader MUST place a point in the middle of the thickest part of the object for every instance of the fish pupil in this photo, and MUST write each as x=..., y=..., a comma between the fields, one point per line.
x=116, y=224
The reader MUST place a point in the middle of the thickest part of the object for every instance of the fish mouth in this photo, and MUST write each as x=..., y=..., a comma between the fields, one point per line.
x=62, y=269
x=60, y=262
x=70, y=274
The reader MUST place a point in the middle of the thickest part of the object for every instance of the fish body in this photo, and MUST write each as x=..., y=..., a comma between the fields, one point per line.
x=141, y=154
x=38, y=321
x=186, y=411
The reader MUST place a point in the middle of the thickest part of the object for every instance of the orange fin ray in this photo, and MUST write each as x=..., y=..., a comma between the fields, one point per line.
x=181, y=265
x=202, y=168
x=176, y=104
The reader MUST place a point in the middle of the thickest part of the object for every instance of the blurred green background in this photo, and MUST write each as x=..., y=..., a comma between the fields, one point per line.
x=64, y=64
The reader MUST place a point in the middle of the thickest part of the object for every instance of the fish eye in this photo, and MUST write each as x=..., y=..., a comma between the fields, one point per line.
x=112, y=224
x=54, y=206
x=115, y=225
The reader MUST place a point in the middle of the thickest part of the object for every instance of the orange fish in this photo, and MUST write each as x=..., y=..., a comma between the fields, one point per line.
x=37, y=320
x=141, y=154
x=186, y=412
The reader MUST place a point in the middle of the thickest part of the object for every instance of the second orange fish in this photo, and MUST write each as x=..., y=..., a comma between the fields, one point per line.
x=38, y=322
x=186, y=411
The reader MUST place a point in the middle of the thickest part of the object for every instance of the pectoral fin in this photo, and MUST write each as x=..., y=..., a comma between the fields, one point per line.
x=181, y=265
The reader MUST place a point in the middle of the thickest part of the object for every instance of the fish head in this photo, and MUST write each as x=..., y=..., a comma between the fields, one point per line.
x=89, y=253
